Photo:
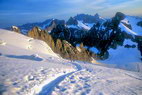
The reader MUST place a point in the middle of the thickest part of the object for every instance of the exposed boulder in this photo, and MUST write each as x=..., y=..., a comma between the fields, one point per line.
x=15, y=29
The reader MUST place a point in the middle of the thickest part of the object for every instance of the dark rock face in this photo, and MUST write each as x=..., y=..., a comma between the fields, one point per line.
x=102, y=35
x=138, y=39
x=72, y=21
x=71, y=35
x=61, y=32
x=139, y=23
x=119, y=16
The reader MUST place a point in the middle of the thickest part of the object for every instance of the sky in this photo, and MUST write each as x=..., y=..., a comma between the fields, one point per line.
x=17, y=12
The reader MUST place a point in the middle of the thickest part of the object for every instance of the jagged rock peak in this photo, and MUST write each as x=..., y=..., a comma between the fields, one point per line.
x=119, y=16
x=35, y=32
x=56, y=21
x=36, y=28
x=97, y=15
x=72, y=21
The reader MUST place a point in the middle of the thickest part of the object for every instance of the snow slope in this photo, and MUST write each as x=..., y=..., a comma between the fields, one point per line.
x=25, y=63
x=12, y=39
x=80, y=25
x=133, y=22
x=125, y=58
x=39, y=71
x=97, y=80
x=127, y=30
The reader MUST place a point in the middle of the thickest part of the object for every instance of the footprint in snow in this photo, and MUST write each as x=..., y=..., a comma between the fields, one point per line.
x=2, y=42
x=29, y=40
x=29, y=47
x=29, y=78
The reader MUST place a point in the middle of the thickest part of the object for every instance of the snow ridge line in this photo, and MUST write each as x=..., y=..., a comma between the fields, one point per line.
x=48, y=88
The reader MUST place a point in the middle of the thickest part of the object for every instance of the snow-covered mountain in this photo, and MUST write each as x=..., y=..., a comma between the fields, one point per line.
x=80, y=25
x=48, y=25
x=85, y=18
x=29, y=67
x=84, y=21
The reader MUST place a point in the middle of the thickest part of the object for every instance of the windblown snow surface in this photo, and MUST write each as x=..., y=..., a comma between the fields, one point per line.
x=29, y=67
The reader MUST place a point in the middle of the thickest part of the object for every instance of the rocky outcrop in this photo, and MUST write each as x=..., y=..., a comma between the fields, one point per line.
x=42, y=35
x=66, y=50
x=15, y=29
x=62, y=47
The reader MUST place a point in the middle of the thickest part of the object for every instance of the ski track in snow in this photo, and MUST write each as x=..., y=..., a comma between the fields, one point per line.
x=84, y=79
x=47, y=89
x=99, y=81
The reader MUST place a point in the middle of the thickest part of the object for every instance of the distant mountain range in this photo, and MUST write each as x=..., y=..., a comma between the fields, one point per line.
x=95, y=36
x=80, y=21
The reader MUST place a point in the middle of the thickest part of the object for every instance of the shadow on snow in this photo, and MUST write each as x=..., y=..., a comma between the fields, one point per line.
x=29, y=57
